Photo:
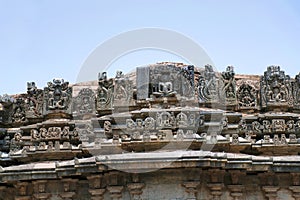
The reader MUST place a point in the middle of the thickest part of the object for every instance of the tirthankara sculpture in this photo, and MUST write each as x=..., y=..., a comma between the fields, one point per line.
x=166, y=131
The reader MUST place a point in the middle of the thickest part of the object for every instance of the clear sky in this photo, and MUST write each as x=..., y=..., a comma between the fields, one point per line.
x=44, y=39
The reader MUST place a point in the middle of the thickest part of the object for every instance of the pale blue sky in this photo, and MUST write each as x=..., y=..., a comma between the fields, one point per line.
x=43, y=39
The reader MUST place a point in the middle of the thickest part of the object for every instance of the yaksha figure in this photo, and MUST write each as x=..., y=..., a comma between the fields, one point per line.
x=58, y=94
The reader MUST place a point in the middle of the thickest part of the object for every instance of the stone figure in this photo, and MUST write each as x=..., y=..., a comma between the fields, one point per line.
x=247, y=95
x=84, y=103
x=276, y=89
x=208, y=85
x=57, y=95
x=19, y=115
x=296, y=91
x=34, y=101
x=104, y=92
x=229, y=86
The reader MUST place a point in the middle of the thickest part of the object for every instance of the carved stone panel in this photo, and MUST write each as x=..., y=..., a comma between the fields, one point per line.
x=6, y=104
x=276, y=89
x=57, y=96
x=34, y=101
x=84, y=103
x=123, y=90
x=170, y=80
x=208, y=86
x=296, y=91
x=247, y=94
x=104, y=92
x=19, y=113
x=229, y=87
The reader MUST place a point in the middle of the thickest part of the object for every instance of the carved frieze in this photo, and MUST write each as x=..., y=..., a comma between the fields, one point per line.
x=53, y=133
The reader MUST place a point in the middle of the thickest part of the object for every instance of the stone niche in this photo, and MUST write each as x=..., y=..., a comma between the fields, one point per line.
x=165, y=81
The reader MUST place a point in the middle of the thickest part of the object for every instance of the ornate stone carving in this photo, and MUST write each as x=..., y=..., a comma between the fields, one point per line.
x=165, y=120
x=229, y=87
x=247, y=94
x=6, y=104
x=267, y=127
x=170, y=80
x=276, y=89
x=290, y=126
x=40, y=190
x=54, y=133
x=208, y=86
x=84, y=103
x=123, y=91
x=149, y=123
x=181, y=120
x=104, y=92
x=235, y=139
x=242, y=126
x=57, y=96
x=19, y=115
x=296, y=91
x=256, y=127
x=278, y=125
x=34, y=101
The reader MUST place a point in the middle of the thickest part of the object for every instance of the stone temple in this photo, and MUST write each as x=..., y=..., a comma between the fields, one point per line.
x=167, y=131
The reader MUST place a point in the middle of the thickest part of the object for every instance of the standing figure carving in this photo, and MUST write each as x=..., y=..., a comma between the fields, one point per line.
x=229, y=88
x=104, y=92
x=208, y=86
x=34, y=101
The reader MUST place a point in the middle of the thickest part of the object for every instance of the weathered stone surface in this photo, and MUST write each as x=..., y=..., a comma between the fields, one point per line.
x=198, y=133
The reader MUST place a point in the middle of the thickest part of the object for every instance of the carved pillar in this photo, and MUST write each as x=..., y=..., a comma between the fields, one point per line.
x=95, y=184
x=215, y=190
x=216, y=185
x=22, y=191
x=135, y=188
x=236, y=189
x=191, y=189
x=270, y=192
x=295, y=189
x=115, y=192
x=268, y=185
x=68, y=191
x=39, y=190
